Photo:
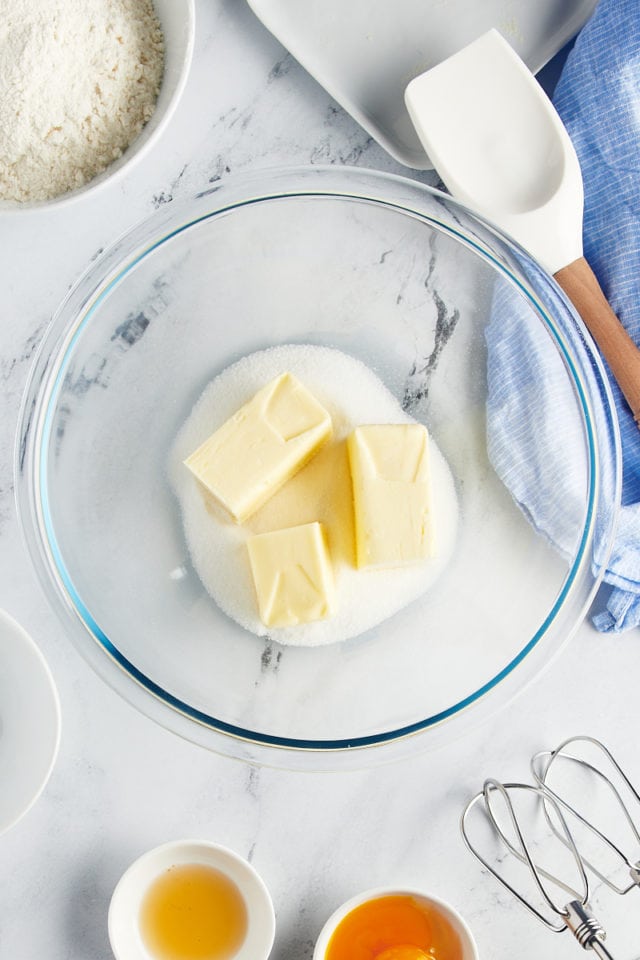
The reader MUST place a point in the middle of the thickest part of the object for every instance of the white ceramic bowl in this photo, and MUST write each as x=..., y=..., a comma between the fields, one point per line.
x=124, y=933
x=468, y=944
x=177, y=19
x=29, y=722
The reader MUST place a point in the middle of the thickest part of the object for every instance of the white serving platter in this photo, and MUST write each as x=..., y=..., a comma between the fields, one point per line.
x=365, y=52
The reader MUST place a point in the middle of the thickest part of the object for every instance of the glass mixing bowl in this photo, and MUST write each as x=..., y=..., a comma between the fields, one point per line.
x=461, y=326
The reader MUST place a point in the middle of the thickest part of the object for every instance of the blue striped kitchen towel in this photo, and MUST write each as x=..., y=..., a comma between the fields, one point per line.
x=598, y=98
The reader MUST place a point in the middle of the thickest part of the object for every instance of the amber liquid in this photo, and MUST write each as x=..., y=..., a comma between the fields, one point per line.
x=193, y=912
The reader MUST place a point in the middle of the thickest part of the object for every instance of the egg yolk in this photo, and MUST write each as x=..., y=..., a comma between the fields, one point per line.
x=404, y=953
x=398, y=927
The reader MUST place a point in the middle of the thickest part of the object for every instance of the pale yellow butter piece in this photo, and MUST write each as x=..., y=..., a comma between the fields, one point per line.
x=391, y=496
x=261, y=446
x=292, y=575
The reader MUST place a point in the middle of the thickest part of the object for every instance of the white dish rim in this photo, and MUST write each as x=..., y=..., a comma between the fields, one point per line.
x=317, y=62
x=9, y=624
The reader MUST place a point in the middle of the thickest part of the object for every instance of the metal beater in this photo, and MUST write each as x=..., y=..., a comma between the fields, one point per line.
x=548, y=762
x=574, y=915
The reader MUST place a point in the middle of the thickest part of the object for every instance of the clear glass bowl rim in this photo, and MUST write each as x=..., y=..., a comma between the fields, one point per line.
x=356, y=184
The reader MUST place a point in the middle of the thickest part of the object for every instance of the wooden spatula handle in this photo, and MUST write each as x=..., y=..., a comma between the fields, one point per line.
x=581, y=286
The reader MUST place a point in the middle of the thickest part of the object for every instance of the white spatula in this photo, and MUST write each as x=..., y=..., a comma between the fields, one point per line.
x=498, y=144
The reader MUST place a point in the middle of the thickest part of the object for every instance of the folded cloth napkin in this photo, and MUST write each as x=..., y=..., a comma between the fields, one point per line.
x=598, y=98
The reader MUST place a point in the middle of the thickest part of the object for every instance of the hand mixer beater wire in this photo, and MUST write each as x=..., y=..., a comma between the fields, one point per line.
x=601, y=770
x=574, y=915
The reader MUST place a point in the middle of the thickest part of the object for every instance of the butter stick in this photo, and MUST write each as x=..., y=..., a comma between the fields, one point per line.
x=261, y=446
x=391, y=496
x=292, y=575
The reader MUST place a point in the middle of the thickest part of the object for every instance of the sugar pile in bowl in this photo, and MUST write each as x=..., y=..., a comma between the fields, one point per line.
x=352, y=394
x=78, y=81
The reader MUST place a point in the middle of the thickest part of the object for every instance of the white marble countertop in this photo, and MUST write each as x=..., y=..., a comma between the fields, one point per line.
x=123, y=784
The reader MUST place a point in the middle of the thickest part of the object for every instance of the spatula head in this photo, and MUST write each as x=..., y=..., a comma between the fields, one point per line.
x=499, y=146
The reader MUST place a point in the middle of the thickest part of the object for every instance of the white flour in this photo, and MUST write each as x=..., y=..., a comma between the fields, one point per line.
x=78, y=81
x=352, y=394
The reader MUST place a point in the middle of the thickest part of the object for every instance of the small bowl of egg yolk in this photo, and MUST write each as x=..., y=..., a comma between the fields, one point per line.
x=395, y=924
x=191, y=900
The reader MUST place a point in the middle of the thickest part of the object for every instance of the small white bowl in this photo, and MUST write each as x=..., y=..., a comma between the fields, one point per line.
x=469, y=948
x=177, y=19
x=124, y=910
x=29, y=722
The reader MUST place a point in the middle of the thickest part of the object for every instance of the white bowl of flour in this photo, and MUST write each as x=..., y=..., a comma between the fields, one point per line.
x=85, y=91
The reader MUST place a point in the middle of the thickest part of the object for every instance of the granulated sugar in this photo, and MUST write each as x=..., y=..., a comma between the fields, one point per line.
x=353, y=395
x=78, y=81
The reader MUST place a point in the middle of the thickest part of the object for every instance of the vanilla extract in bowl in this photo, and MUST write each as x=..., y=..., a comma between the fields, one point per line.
x=193, y=912
x=191, y=900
